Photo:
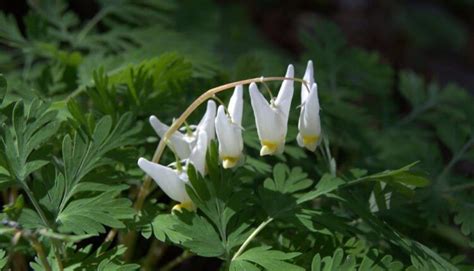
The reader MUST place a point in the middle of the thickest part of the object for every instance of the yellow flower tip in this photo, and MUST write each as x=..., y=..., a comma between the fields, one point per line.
x=229, y=162
x=188, y=205
x=268, y=148
x=311, y=141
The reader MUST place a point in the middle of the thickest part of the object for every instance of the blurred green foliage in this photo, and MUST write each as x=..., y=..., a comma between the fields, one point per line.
x=79, y=93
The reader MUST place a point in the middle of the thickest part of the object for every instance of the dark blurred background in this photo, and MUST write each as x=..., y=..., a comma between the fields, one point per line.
x=434, y=38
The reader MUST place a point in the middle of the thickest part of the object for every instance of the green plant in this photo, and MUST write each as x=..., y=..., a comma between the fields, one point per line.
x=74, y=99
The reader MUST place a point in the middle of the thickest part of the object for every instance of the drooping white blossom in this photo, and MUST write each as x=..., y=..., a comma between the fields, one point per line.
x=309, y=124
x=272, y=118
x=181, y=143
x=229, y=131
x=198, y=153
x=171, y=181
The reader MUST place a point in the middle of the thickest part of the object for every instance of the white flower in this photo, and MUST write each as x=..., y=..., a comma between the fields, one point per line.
x=207, y=122
x=181, y=143
x=229, y=131
x=309, y=124
x=272, y=119
x=198, y=154
x=172, y=182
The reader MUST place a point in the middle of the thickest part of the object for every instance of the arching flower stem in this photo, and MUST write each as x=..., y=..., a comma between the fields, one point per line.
x=145, y=188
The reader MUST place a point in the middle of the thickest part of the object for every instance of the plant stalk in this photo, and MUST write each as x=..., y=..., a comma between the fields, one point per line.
x=251, y=237
x=154, y=255
x=442, y=177
x=45, y=220
x=35, y=203
x=177, y=261
x=40, y=252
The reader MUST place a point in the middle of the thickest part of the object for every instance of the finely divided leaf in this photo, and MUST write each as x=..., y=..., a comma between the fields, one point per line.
x=286, y=180
x=3, y=87
x=164, y=228
x=32, y=125
x=327, y=184
x=201, y=237
x=89, y=215
x=3, y=259
x=269, y=259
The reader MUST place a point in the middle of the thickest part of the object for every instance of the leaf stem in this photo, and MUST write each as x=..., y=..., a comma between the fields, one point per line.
x=88, y=27
x=45, y=220
x=75, y=92
x=178, y=260
x=35, y=203
x=40, y=252
x=460, y=187
x=416, y=112
x=251, y=237
x=441, y=178
x=155, y=253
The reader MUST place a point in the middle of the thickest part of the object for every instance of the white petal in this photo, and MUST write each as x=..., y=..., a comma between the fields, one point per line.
x=166, y=178
x=267, y=121
x=236, y=105
x=285, y=95
x=270, y=122
x=312, y=106
x=308, y=77
x=207, y=122
x=230, y=138
x=198, y=154
x=178, y=141
x=309, y=123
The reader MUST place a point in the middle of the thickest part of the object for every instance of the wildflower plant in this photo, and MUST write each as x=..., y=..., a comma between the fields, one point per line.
x=114, y=156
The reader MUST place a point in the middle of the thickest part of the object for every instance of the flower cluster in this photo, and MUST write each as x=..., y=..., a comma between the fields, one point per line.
x=271, y=119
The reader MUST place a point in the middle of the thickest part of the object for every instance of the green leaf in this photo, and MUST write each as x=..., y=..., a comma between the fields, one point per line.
x=63, y=237
x=358, y=172
x=3, y=87
x=164, y=228
x=370, y=261
x=30, y=219
x=422, y=257
x=267, y=258
x=104, y=258
x=213, y=195
x=379, y=199
x=412, y=88
x=10, y=32
x=201, y=237
x=32, y=126
x=324, y=222
x=287, y=181
x=408, y=178
x=3, y=259
x=336, y=262
x=464, y=217
x=253, y=164
x=381, y=263
x=330, y=183
x=327, y=184
x=89, y=215
x=81, y=156
x=243, y=265
x=14, y=209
